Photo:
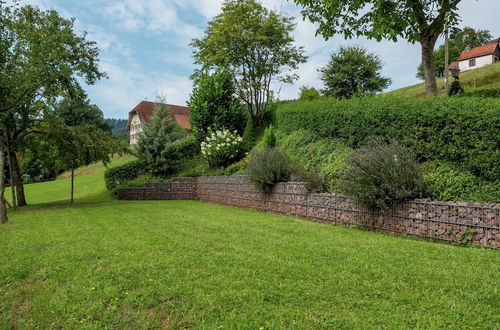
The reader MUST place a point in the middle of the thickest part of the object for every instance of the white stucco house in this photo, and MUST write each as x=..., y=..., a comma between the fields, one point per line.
x=478, y=57
x=143, y=112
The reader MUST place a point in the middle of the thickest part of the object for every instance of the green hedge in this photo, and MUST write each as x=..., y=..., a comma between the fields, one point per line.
x=117, y=175
x=460, y=130
x=490, y=92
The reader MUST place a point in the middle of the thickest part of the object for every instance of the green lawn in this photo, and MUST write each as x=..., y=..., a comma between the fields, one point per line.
x=117, y=264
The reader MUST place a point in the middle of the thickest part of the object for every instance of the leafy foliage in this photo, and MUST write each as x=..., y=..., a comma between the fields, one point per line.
x=269, y=138
x=308, y=93
x=163, y=144
x=117, y=175
x=449, y=182
x=416, y=21
x=221, y=148
x=455, y=88
x=353, y=71
x=269, y=167
x=325, y=157
x=381, y=174
x=213, y=105
x=492, y=92
x=256, y=45
x=458, y=130
x=458, y=41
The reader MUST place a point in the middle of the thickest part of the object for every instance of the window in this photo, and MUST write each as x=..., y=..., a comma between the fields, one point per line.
x=472, y=62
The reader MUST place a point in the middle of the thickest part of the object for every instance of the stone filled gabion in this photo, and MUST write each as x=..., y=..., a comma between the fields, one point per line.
x=454, y=222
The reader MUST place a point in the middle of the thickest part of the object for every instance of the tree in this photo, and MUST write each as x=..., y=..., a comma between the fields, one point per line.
x=81, y=145
x=42, y=59
x=308, y=93
x=214, y=105
x=255, y=45
x=459, y=40
x=162, y=144
x=414, y=20
x=353, y=71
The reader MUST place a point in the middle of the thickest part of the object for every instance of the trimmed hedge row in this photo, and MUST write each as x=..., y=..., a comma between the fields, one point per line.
x=465, y=131
x=117, y=175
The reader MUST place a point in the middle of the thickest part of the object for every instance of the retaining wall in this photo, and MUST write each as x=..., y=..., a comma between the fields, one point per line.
x=476, y=223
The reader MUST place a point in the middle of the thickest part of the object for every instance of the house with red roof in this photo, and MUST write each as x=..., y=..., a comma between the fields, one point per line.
x=477, y=57
x=142, y=113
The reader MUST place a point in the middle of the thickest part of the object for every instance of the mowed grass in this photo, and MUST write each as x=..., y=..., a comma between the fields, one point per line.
x=186, y=264
x=483, y=78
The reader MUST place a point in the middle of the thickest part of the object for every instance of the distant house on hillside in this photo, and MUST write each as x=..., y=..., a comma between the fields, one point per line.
x=143, y=112
x=477, y=57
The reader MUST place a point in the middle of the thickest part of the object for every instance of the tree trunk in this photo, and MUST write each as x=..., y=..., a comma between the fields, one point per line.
x=428, y=64
x=12, y=186
x=3, y=209
x=17, y=179
x=72, y=181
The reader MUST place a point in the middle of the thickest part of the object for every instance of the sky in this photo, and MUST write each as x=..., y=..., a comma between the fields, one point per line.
x=144, y=46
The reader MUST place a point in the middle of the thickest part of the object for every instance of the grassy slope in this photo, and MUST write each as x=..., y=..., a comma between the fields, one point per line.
x=486, y=77
x=141, y=264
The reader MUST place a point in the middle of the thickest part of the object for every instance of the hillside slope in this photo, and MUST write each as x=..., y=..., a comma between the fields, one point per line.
x=482, y=78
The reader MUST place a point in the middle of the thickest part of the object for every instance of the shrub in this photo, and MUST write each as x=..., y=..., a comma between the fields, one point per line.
x=118, y=175
x=269, y=138
x=326, y=157
x=309, y=93
x=221, y=148
x=455, y=88
x=214, y=105
x=381, y=174
x=460, y=130
x=490, y=92
x=249, y=135
x=449, y=182
x=269, y=167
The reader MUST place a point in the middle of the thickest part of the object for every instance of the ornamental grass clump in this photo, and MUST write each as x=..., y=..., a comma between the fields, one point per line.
x=382, y=174
x=222, y=147
x=269, y=167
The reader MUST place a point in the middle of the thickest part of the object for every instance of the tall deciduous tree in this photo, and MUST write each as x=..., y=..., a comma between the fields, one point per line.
x=256, y=45
x=353, y=71
x=214, y=104
x=414, y=20
x=42, y=59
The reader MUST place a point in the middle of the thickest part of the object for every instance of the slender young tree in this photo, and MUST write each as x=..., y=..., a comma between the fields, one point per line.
x=256, y=45
x=419, y=21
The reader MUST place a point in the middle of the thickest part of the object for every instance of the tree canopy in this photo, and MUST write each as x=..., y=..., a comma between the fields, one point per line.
x=413, y=20
x=353, y=71
x=253, y=43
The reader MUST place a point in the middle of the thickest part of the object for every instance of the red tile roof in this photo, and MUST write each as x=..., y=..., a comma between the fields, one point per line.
x=146, y=109
x=478, y=51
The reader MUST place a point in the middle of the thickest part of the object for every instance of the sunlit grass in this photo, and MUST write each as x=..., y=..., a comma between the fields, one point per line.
x=102, y=263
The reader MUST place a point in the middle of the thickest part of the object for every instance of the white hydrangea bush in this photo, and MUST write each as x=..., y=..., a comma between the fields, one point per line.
x=222, y=147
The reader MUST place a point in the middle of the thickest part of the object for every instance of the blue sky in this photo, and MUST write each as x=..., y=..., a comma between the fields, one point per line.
x=145, y=46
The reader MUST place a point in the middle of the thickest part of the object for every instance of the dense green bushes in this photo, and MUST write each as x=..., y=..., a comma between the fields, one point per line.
x=449, y=182
x=118, y=175
x=326, y=156
x=381, y=174
x=490, y=92
x=458, y=130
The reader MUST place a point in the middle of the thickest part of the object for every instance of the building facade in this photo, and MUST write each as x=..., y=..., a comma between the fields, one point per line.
x=142, y=113
x=478, y=57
